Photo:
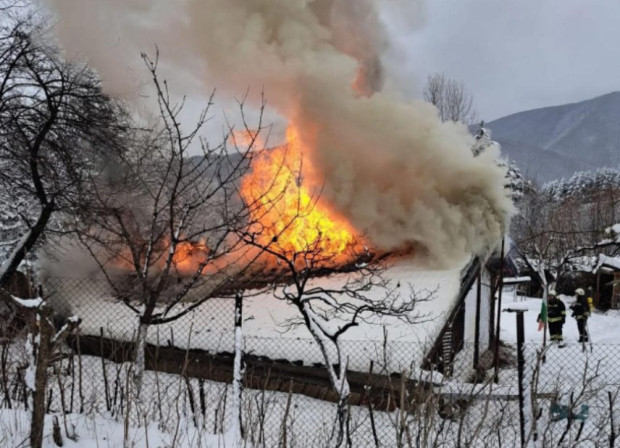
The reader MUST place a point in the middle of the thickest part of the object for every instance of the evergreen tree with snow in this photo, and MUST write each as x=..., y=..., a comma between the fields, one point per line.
x=583, y=184
x=516, y=184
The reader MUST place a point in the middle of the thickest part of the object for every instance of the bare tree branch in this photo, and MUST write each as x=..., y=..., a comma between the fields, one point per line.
x=453, y=101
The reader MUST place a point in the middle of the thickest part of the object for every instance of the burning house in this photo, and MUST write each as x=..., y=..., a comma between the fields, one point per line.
x=357, y=170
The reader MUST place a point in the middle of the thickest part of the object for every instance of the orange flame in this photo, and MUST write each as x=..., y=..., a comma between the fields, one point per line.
x=188, y=256
x=285, y=212
x=186, y=259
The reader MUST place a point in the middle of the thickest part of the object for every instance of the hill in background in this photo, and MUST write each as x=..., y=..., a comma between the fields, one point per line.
x=555, y=142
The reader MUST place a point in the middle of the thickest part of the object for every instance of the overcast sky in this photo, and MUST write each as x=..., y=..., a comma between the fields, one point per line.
x=516, y=55
x=513, y=55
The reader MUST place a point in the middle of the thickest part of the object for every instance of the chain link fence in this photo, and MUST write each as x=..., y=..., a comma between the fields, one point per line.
x=568, y=396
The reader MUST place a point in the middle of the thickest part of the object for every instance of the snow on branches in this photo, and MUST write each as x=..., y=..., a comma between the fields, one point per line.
x=582, y=184
x=516, y=185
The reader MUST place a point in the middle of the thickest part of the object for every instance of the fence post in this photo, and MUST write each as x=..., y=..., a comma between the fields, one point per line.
x=520, y=368
x=237, y=380
x=477, y=317
x=499, y=315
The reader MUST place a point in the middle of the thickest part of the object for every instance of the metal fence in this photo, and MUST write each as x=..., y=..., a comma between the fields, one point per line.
x=556, y=396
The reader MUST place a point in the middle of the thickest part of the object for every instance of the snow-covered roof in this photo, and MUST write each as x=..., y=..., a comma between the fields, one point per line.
x=265, y=330
x=606, y=261
x=584, y=263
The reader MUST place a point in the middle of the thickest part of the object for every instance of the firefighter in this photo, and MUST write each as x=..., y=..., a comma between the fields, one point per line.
x=581, y=312
x=556, y=316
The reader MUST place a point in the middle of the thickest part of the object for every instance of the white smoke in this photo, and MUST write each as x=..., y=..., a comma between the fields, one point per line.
x=393, y=169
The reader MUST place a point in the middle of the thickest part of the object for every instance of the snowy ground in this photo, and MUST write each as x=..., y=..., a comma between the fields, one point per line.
x=572, y=376
x=98, y=431
x=584, y=379
x=308, y=422
x=485, y=421
x=600, y=359
x=604, y=327
x=173, y=409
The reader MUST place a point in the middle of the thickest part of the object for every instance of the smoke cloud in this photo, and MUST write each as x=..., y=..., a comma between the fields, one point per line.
x=393, y=169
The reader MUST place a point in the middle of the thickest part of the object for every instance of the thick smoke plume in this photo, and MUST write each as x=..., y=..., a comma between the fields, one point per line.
x=393, y=169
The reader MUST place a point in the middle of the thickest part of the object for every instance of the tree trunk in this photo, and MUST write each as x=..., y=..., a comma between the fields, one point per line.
x=235, y=427
x=343, y=415
x=338, y=379
x=139, y=358
x=40, y=383
x=26, y=243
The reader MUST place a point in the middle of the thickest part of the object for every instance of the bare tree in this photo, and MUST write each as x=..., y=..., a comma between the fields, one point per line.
x=55, y=122
x=163, y=229
x=552, y=235
x=43, y=347
x=453, y=101
x=363, y=295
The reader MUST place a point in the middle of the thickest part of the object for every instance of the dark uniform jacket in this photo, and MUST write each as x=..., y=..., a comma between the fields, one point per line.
x=556, y=311
x=581, y=309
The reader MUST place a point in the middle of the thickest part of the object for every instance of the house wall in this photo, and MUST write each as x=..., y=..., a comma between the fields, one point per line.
x=615, y=295
x=460, y=327
x=485, y=309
